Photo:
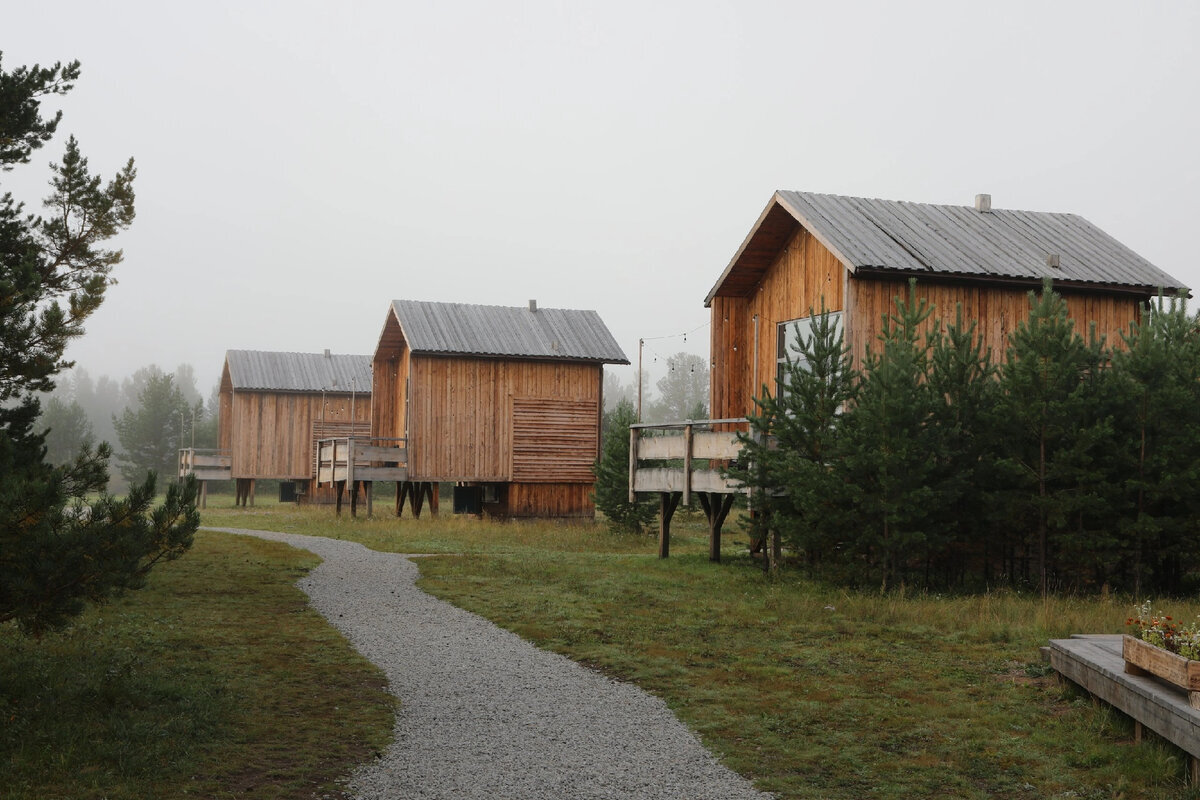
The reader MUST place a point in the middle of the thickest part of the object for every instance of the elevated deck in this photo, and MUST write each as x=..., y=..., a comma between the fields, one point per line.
x=347, y=460
x=1095, y=662
x=679, y=456
x=678, y=459
x=206, y=465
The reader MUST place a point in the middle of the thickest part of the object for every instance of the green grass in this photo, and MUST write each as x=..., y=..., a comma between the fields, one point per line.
x=814, y=692
x=448, y=533
x=810, y=691
x=216, y=680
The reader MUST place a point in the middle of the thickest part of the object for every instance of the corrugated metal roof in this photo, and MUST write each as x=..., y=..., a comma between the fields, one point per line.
x=870, y=234
x=498, y=331
x=298, y=372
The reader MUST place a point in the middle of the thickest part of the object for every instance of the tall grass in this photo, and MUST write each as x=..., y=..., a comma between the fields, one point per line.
x=215, y=680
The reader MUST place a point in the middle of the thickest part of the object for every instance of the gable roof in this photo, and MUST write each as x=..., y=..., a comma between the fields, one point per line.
x=869, y=235
x=501, y=331
x=260, y=370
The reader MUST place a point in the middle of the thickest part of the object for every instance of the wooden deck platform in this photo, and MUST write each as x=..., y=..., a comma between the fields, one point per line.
x=1094, y=661
x=676, y=460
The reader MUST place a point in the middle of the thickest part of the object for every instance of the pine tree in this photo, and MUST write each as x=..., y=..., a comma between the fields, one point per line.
x=67, y=430
x=152, y=432
x=885, y=466
x=55, y=553
x=786, y=457
x=612, y=475
x=1053, y=431
x=963, y=396
x=1158, y=374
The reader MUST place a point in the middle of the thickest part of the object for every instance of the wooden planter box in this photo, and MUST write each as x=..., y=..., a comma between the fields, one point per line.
x=1143, y=658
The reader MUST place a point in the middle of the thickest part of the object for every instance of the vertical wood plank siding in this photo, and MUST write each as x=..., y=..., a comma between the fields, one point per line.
x=461, y=419
x=270, y=433
x=804, y=272
x=569, y=500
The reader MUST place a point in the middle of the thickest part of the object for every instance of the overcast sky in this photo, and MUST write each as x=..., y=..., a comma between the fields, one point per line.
x=300, y=164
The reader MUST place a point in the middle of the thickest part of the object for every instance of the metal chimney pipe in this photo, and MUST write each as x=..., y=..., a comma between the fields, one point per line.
x=983, y=203
x=533, y=305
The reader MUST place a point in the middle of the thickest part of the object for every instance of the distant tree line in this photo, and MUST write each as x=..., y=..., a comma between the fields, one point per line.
x=1070, y=464
x=147, y=417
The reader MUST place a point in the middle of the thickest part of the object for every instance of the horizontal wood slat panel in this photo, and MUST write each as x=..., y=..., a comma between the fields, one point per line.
x=553, y=440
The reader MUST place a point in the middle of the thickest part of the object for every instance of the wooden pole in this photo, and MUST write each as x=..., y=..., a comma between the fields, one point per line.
x=668, y=502
x=370, y=506
x=633, y=453
x=433, y=497
x=687, y=465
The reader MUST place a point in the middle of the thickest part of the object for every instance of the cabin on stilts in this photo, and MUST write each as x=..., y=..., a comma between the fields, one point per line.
x=853, y=256
x=274, y=408
x=503, y=402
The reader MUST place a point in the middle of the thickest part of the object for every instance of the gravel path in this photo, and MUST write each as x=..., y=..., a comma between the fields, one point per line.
x=485, y=714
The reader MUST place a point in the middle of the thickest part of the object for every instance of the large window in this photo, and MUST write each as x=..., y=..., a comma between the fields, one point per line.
x=787, y=339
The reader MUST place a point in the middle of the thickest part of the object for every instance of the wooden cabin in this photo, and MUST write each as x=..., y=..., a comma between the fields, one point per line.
x=504, y=402
x=855, y=255
x=275, y=406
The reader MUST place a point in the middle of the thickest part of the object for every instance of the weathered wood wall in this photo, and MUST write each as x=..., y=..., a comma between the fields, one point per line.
x=461, y=416
x=998, y=310
x=269, y=434
x=804, y=273
x=561, y=500
x=389, y=379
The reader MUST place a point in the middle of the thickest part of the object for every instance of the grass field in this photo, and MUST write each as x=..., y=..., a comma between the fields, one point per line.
x=811, y=691
x=215, y=681
x=218, y=681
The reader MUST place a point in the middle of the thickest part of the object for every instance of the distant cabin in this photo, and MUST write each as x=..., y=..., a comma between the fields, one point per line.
x=855, y=255
x=275, y=406
x=504, y=402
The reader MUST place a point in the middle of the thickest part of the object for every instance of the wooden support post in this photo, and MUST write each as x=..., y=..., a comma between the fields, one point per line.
x=1137, y=731
x=370, y=507
x=338, y=486
x=687, y=465
x=252, y=492
x=400, y=497
x=203, y=494
x=433, y=497
x=1193, y=770
x=418, y=499
x=633, y=449
x=716, y=509
x=353, y=484
x=668, y=502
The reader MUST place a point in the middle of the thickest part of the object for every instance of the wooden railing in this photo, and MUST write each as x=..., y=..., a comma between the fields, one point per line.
x=678, y=446
x=206, y=465
x=350, y=459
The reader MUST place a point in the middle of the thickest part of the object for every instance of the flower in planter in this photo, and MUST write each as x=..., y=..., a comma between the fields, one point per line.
x=1162, y=630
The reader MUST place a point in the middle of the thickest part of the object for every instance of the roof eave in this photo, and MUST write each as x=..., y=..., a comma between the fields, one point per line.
x=519, y=357
x=778, y=199
x=1030, y=281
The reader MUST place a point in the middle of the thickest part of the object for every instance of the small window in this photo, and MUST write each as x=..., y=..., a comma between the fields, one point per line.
x=787, y=341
